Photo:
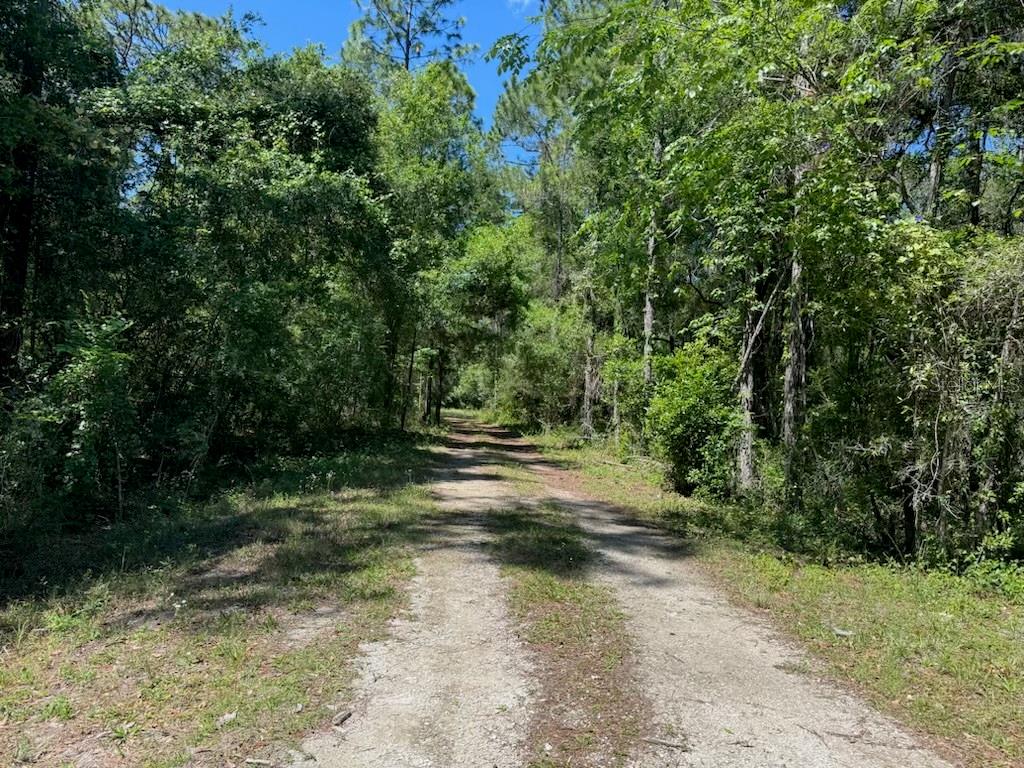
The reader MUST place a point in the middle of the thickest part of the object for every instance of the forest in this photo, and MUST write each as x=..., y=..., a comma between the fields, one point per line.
x=774, y=244
x=669, y=413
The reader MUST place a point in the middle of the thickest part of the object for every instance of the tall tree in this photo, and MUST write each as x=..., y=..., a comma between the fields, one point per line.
x=406, y=33
x=55, y=168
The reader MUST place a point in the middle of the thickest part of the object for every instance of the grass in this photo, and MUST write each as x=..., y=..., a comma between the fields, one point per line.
x=942, y=652
x=925, y=646
x=217, y=634
x=638, y=483
x=592, y=711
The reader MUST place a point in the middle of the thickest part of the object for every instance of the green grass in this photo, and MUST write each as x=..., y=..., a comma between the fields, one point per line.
x=943, y=652
x=638, y=482
x=926, y=646
x=592, y=710
x=228, y=628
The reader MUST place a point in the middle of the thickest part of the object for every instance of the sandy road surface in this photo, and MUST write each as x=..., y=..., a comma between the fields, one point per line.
x=452, y=687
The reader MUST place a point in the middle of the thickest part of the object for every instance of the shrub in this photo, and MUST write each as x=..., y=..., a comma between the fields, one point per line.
x=692, y=421
x=474, y=388
x=541, y=382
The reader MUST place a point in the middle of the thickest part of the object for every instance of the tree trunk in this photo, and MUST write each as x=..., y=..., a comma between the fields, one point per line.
x=1010, y=219
x=795, y=379
x=616, y=416
x=986, y=500
x=745, y=464
x=941, y=506
x=439, y=394
x=391, y=384
x=943, y=122
x=407, y=394
x=591, y=371
x=747, y=380
x=407, y=38
x=556, y=280
x=976, y=148
x=589, y=389
x=910, y=523
x=120, y=482
x=649, y=317
x=652, y=276
x=428, y=397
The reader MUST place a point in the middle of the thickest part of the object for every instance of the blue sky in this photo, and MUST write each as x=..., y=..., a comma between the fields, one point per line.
x=293, y=23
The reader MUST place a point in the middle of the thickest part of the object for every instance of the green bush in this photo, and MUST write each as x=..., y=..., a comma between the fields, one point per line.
x=692, y=422
x=474, y=388
x=541, y=382
x=622, y=374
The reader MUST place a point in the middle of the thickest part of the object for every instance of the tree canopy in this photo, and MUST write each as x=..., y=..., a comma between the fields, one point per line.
x=776, y=244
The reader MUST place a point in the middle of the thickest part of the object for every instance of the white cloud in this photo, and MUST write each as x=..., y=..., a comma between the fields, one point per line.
x=519, y=6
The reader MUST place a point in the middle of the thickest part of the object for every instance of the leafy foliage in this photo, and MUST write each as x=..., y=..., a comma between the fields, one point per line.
x=692, y=418
x=211, y=254
x=776, y=244
x=792, y=229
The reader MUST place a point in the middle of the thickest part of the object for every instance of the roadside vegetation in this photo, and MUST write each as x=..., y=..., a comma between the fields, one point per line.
x=221, y=633
x=782, y=255
x=941, y=649
x=765, y=257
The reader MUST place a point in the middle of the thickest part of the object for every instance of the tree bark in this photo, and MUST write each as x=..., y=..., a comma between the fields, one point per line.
x=591, y=370
x=589, y=386
x=794, y=383
x=407, y=42
x=649, y=316
x=391, y=384
x=986, y=501
x=652, y=275
x=745, y=462
x=943, y=122
x=439, y=394
x=428, y=397
x=910, y=523
x=407, y=394
x=1010, y=220
x=794, y=388
x=976, y=144
x=556, y=279
x=795, y=379
x=616, y=416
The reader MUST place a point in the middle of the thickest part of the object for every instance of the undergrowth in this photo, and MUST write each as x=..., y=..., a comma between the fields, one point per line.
x=207, y=636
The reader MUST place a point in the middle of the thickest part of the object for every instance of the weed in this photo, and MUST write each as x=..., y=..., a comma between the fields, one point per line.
x=183, y=619
x=58, y=708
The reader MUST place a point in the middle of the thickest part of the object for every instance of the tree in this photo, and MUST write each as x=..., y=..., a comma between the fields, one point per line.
x=819, y=190
x=58, y=166
x=405, y=33
x=434, y=163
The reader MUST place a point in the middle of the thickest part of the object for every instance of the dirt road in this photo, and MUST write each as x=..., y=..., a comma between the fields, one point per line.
x=452, y=686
